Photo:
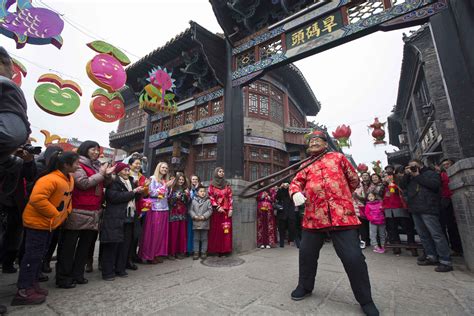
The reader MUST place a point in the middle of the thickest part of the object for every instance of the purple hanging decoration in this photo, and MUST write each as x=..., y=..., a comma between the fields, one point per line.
x=38, y=26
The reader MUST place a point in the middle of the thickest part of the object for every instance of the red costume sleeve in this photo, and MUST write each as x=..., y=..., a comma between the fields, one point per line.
x=212, y=198
x=299, y=182
x=231, y=199
x=350, y=173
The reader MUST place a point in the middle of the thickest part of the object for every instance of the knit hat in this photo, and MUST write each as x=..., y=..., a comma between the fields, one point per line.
x=119, y=166
x=316, y=134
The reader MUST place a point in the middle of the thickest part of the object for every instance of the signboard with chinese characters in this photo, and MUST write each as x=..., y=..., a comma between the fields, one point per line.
x=324, y=26
x=314, y=30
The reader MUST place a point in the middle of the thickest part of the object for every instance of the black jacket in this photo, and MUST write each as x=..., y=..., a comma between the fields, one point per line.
x=13, y=100
x=423, y=192
x=283, y=198
x=115, y=214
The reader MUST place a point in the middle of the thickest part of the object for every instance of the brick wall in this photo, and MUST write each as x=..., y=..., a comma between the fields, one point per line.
x=444, y=121
x=264, y=128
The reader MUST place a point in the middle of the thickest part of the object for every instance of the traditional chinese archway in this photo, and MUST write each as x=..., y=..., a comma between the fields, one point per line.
x=263, y=35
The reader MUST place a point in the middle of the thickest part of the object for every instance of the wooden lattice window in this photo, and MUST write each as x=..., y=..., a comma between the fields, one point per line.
x=296, y=118
x=178, y=119
x=259, y=162
x=217, y=106
x=246, y=58
x=269, y=49
x=166, y=124
x=253, y=103
x=189, y=117
x=156, y=127
x=203, y=111
x=265, y=101
x=365, y=10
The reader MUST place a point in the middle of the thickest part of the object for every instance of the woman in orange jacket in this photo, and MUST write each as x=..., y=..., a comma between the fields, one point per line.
x=48, y=207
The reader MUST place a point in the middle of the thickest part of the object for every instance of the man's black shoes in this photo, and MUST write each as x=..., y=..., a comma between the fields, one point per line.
x=300, y=294
x=370, y=309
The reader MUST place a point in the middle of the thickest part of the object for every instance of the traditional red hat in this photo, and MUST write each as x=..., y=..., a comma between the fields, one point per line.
x=316, y=134
x=119, y=166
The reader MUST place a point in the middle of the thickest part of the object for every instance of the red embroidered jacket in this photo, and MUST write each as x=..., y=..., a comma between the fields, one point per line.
x=221, y=197
x=327, y=184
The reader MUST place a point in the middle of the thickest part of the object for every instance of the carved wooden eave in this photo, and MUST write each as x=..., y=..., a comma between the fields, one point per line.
x=194, y=57
x=241, y=18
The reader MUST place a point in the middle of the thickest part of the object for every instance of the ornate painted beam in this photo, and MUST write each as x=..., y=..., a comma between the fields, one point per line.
x=325, y=27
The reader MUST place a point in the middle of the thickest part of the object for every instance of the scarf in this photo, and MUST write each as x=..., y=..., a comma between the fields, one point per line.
x=131, y=204
x=217, y=181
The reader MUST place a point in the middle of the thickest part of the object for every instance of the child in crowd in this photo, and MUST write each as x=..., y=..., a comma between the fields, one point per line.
x=200, y=212
x=375, y=215
x=116, y=231
x=48, y=207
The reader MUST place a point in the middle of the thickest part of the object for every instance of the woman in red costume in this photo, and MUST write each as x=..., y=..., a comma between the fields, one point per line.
x=220, y=233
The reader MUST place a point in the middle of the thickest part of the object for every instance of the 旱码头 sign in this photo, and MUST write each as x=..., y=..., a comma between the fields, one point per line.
x=314, y=30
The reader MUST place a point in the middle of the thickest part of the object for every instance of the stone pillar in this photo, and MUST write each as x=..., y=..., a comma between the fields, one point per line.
x=461, y=178
x=244, y=224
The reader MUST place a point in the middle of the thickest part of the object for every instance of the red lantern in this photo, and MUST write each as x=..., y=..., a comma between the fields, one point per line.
x=362, y=168
x=378, y=133
x=342, y=135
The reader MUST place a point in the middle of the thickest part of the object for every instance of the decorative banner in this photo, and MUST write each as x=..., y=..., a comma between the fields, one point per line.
x=107, y=107
x=362, y=168
x=56, y=96
x=378, y=132
x=106, y=69
x=154, y=97
x=19, y=71
x=342, y=135
x=38, y=26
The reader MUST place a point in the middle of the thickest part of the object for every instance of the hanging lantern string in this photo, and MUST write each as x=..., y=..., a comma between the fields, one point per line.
x=82, y=29
x=53, y=70
x=357, y=122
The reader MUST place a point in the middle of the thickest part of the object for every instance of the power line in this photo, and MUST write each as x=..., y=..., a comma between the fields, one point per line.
x=54, y=70
x=84, y=30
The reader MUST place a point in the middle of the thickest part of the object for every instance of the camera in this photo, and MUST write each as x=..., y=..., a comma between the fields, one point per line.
x=33, y=150
x=413, y=168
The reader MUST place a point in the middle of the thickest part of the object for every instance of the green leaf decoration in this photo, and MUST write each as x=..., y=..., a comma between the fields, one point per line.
x=106, y=48
x=105, y=93
x=19, y=64
x=101, y=47
x=169, y=96
x=122, y=58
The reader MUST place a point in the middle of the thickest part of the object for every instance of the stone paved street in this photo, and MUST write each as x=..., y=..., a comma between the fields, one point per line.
x=260, y=286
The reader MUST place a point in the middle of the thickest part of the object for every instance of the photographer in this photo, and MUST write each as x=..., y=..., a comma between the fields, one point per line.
x=13, y=205
x=423, y=188
x=14, y=125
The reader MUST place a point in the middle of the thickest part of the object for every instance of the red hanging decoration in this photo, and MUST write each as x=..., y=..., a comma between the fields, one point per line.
x=378, y=132
x=362, y=167
x=342, y=135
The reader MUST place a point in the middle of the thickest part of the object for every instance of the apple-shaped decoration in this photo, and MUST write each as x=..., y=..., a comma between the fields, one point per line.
x=107, y=107
x=106, y=69
x=39, y=26
x=19, y=71
x=57, y=96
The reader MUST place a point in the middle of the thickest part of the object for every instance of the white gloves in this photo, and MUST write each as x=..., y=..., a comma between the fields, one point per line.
x=299, y=198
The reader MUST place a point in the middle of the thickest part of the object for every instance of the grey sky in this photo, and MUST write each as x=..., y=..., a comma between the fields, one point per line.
x=354, y=82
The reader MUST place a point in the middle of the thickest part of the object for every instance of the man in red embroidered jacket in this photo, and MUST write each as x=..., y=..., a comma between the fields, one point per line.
x=325, y=187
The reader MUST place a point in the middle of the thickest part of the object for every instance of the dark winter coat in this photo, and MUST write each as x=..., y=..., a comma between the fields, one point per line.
x=423, y=192
x=115, y=214
x=283, y=198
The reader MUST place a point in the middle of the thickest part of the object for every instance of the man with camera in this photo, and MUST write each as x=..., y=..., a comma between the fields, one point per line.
x=14, y=125
x=423, y=188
